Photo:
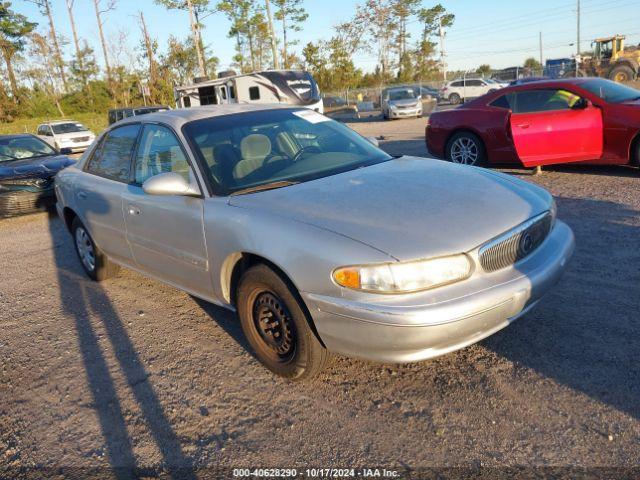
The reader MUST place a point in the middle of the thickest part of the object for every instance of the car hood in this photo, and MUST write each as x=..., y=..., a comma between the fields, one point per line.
x=34, y=167
x=408, y=208
x=409, y=102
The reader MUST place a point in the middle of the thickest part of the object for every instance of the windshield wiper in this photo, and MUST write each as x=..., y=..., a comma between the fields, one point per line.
x=8, y=156
x=264, y=186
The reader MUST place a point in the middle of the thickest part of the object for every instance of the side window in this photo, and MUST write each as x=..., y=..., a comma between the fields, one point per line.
x=531, y=101
x=186, y=101
x=254, y=93
x=112, y=116
x=112, y=159
x=40, y=130
x=119, y=115
x=459, y=83
x=232, y=92
x=505, y=101
x=474, y=83
x=159, y=151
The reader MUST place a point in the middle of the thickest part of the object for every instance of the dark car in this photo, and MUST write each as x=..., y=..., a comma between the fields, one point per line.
x=117, y=114
x=586, y=120
x=27, y=168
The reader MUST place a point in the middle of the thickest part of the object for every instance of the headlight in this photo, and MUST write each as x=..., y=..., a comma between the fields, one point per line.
x=405, y=277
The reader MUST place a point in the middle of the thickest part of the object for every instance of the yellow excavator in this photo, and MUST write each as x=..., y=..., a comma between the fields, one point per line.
x=611, y=60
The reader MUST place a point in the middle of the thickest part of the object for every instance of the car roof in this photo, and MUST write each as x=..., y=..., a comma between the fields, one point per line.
x=58, y=122
x=16, y=135
x=178, y=117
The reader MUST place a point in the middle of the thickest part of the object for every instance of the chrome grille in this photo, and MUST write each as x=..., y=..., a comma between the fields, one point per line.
x=515, y=244
x=80, y=139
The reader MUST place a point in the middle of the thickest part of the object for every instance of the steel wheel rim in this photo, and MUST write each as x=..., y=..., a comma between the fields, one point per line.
x=274, y=327
x=85, y=249
x=465, y=151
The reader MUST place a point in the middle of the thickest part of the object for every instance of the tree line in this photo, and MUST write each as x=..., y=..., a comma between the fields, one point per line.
x=43, y=73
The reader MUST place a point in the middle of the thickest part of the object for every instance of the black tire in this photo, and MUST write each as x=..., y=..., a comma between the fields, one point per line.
x=622, y=73
x=455, y=99
x=276, y=325
x=101, y=268
x=472, y=141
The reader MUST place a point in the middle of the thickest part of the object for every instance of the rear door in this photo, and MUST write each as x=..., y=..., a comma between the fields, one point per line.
x=551, y=126
x=166, y=232
x=99, y=191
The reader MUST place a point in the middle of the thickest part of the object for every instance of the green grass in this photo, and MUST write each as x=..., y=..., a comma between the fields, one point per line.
x=95, y=122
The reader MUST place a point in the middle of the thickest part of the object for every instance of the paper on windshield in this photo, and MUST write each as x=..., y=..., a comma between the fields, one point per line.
x=311, y=116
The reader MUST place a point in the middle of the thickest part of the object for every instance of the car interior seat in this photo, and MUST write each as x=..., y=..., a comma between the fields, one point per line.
x=254, y=150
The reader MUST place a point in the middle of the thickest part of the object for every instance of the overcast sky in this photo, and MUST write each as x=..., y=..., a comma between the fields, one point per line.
x=498, y=32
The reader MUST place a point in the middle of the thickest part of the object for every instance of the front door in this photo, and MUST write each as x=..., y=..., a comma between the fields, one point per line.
x=166, y=233
x=99, y=191
x=555, y=126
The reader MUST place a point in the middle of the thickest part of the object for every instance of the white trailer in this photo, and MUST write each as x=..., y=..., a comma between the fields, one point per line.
x=292, y=87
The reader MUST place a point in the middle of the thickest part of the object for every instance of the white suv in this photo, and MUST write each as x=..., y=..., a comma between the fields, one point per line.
x=460, y=90
x=66, y=134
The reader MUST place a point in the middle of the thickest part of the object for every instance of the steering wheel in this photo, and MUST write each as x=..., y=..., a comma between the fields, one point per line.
x=307, y=149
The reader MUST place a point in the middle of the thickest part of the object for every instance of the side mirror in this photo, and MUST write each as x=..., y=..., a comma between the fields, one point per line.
x=373, y=140
x=66, y=151
x=170, y=183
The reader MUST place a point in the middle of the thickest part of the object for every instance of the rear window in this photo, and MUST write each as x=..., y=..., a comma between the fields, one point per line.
x=112, y=159
x=504, y=101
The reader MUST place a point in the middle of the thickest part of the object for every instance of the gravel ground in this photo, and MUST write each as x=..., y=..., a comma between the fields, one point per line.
x=131, y=372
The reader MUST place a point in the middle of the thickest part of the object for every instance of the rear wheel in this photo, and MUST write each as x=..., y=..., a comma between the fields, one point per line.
x=466, y=148
x=94, y=262
x=276, y=325
x=454, y=99
x=622, y=73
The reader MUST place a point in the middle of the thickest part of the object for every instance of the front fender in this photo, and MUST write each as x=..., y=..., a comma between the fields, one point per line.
x=305, y=253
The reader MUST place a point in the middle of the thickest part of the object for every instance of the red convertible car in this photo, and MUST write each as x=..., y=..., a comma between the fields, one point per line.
x=589, y=120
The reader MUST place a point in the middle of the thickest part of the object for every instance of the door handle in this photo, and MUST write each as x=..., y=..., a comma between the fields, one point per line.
x=524, y=125
x=134, y=210
x=82, y=195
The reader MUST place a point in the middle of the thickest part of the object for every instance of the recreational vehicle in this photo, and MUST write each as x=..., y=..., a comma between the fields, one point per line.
x=273, y=86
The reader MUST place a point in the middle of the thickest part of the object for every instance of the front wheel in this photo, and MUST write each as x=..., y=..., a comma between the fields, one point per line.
x=466, y=148
x=622, y=73
x=455, y=99
x=94, y=262
x=276, y=325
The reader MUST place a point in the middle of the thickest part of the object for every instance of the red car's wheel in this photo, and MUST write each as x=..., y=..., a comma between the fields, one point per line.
x=467, y=149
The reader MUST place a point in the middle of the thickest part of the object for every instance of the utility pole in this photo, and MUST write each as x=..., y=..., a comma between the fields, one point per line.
x=272, y=33
x=578, y=40
x=442, y=52
x=541, y=49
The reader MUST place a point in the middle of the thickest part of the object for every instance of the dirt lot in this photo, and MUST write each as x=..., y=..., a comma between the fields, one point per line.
x=135, y=373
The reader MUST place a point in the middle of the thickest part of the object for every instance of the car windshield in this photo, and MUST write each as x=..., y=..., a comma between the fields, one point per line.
x=611, y=92
x=279, y=147
x=70, y=127
x=17, y=148
x=401, y=94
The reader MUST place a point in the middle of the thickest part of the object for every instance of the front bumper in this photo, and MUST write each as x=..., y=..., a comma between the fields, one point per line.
x=427, y=325
x=20, y=202
x=405, y=112
x=77, y=147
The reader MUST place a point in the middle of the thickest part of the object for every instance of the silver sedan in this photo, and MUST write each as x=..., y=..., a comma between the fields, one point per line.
x=319, y=240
